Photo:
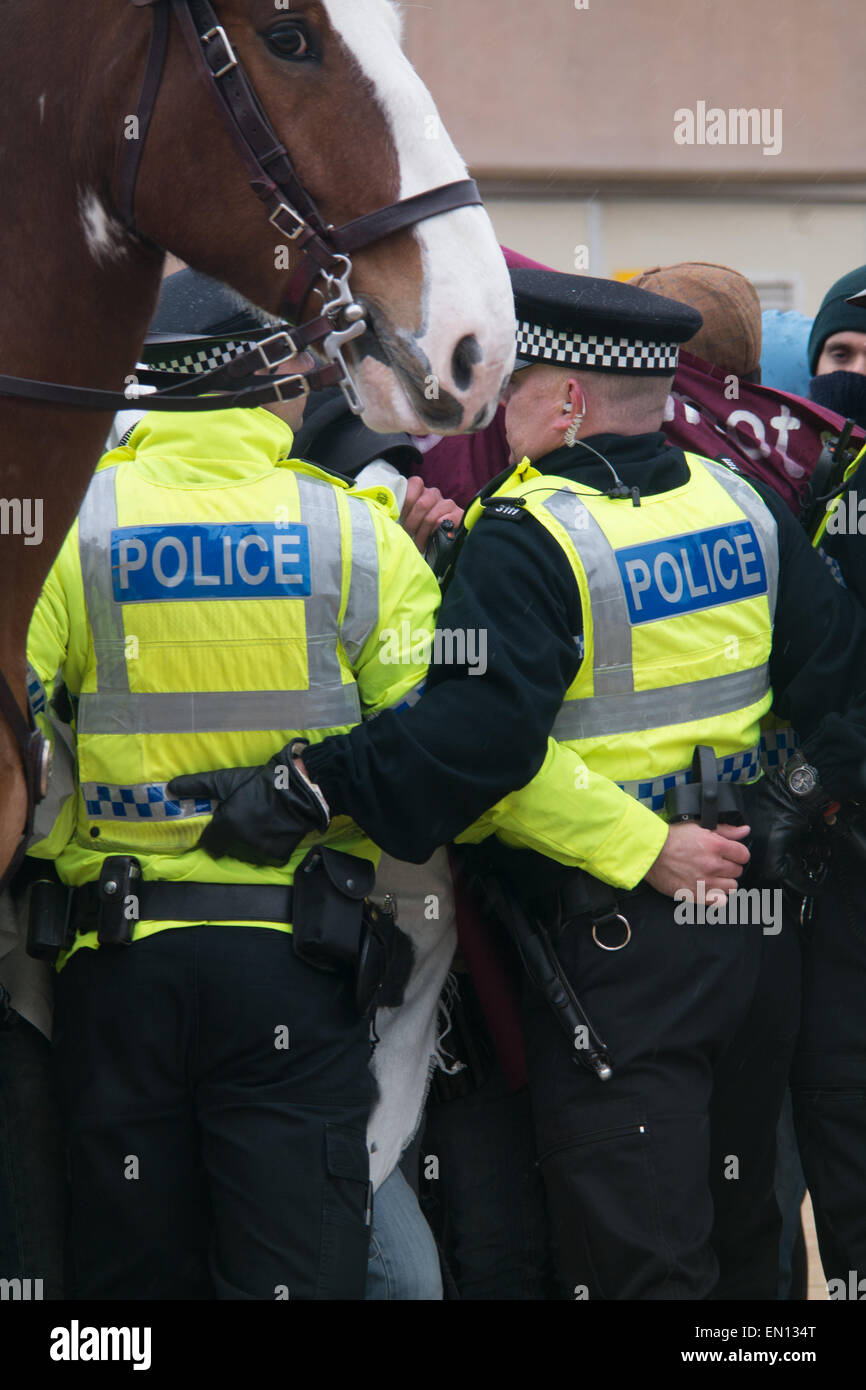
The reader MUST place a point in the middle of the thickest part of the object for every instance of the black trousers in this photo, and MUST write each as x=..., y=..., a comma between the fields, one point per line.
x=215, y=1091
x=828, y=1083
x=660, y=1181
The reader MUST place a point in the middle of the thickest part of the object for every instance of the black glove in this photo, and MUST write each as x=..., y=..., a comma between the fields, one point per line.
x=787, y=804
x=264, y=812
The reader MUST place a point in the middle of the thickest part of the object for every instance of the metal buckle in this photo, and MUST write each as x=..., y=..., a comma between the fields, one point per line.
x=219, y=32
x=287, y=381
x=301, y=224
x=613, y=917
x=288, y=342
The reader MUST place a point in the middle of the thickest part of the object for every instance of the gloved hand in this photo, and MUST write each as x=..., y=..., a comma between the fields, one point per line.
x=781, y=821
x=264, y=812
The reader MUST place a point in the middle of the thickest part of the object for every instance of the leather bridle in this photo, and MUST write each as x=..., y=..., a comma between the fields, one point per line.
x=292, y=212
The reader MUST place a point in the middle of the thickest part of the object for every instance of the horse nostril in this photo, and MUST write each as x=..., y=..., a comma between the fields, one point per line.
x=466, y=354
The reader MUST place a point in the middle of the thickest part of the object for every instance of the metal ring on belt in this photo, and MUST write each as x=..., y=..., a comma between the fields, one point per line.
x=613, y=917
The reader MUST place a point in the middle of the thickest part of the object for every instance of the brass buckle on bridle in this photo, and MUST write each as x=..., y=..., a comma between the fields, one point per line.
x=287, y=342
x=300, y=224
x=219, y=32
x=284, y=381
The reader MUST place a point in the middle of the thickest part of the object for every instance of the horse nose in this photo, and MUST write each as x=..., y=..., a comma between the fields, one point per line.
x=463, y=359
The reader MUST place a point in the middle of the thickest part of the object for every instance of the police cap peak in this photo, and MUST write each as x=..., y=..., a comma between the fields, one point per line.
x=597, y=325
x=201, y=324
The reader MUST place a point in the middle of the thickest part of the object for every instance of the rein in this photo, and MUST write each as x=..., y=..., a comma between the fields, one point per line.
x=292, y=212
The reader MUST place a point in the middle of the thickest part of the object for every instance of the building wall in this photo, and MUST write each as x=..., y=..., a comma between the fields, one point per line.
x=810, y=245
x=568, y=88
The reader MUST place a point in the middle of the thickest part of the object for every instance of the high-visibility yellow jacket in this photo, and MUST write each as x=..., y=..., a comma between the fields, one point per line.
x=213, y=600
x=831, y=521
x=677, y=597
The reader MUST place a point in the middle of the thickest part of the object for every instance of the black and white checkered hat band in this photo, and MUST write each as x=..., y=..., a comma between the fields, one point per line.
x=204, y=359
x=611, y=354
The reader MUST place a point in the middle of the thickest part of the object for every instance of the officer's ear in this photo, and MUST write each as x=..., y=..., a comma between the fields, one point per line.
x=572, y=408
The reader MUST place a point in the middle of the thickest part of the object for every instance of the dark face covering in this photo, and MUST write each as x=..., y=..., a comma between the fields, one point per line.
x=844, y=392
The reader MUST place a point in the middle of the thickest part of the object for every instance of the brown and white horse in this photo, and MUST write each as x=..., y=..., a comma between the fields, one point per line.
x=79, y=286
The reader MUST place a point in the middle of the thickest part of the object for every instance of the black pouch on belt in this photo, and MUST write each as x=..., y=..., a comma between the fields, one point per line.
x=387, y=957
x=328, y=895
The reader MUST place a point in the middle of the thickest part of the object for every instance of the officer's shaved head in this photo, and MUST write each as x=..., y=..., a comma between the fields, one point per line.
x=629, y=404
x=542, y=399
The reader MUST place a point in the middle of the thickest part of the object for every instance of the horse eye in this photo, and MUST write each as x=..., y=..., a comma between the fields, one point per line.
x=288, y=41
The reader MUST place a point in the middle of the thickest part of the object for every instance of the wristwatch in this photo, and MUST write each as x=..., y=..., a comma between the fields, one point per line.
x=803, y=782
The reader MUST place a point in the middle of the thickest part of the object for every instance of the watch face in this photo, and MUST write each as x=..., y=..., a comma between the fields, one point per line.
x=802, y=780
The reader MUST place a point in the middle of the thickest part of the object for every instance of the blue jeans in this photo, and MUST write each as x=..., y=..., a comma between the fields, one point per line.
x=403, y=1262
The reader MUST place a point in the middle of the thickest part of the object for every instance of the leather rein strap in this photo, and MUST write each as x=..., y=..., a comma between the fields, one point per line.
x=291, y=211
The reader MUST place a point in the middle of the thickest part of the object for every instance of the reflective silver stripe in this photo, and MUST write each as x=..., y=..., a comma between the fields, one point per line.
x=362, y=606
x=595, y=716
x=245, y=711
x=736, y=767
x=322, y=608
x=613, y=671
x=96, y=520
x=759, y=514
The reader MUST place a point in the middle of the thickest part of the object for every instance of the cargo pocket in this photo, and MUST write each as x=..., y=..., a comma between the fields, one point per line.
x=611, y=1233
x=347, y=1214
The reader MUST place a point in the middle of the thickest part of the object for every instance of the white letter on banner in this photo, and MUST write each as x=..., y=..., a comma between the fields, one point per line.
x=125, y=563
x=243, y=546
x=747, y=556
x=731, y=581
x=633, y=568
x=169, y=581
x=286, y=550
x=665, y=558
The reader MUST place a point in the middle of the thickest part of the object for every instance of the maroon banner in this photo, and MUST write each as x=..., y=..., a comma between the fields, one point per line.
x=770, y=434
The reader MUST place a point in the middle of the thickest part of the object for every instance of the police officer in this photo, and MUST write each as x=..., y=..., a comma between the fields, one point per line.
x=634, y=602
x=828, y=1078
x=216, y=597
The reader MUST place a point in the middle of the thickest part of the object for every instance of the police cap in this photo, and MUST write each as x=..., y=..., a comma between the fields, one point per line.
x=200, y=324
x=598, y=325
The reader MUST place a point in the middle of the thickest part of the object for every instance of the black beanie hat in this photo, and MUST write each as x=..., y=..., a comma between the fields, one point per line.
x=835, y=316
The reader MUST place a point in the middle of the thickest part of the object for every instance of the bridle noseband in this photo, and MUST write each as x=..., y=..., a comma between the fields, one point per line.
x=292, y=212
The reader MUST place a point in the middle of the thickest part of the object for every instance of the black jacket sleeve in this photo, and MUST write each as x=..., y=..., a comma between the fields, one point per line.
x=818, y=661
x=414, y=779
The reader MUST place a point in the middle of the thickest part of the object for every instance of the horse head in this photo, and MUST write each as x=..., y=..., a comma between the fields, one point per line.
x=362, y=133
